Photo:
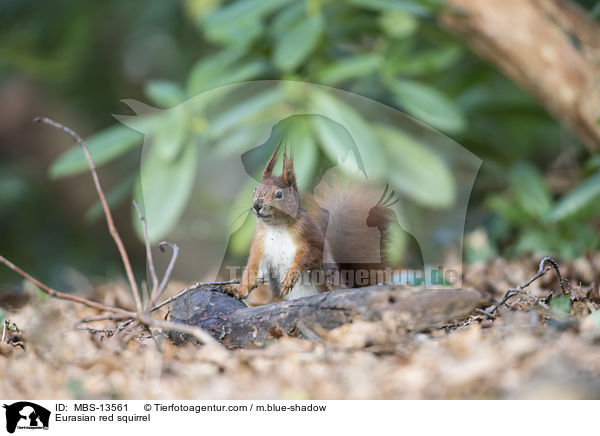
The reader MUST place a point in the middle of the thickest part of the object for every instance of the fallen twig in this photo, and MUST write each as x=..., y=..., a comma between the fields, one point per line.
x=109, y=317
x=196, y=332
x=192, y=288
x=542, y=269
x=61, y=295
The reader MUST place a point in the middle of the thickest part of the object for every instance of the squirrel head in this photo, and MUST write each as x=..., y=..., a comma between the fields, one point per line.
x=276, y=200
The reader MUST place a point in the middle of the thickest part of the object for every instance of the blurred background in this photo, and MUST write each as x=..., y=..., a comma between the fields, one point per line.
x=537, y=191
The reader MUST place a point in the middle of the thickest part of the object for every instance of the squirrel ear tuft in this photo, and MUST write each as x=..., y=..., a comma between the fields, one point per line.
x=287, y=175
x=269, y=168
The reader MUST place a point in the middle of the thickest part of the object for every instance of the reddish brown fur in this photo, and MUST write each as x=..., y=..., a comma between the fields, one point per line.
x=287, y=211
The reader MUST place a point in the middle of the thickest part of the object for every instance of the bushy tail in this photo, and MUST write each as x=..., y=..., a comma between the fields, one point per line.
x=341, y=205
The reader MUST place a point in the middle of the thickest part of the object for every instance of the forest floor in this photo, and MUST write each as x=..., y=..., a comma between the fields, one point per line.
x=536, y=347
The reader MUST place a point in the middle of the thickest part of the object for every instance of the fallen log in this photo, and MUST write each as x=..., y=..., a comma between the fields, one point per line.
x=237, y=326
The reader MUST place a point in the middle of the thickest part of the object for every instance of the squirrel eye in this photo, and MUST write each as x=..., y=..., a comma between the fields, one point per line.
x=278, y=194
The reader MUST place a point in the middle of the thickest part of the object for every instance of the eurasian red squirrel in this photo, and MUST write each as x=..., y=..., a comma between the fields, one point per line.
x=287, y=240
x=292, y=238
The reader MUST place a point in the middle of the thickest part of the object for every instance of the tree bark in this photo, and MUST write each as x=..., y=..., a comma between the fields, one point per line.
x=551, y=48
x=238, y=326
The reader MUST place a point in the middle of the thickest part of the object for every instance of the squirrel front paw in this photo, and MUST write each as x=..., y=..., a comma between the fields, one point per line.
x=289, y=281
x=241, y=291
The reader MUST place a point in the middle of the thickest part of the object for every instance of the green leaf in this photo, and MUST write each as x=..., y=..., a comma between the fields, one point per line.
x=207, y=71
x=398, y=24
x=103, y=146
x=337, y=143
x=222, y=69
x=561, y=305
x=536, y=241
x=166, y=187
x=164, y=93
x=530, y=189
x=428, y=105
x=505, y=208
x=239, y=21
x=367, y=143
x=298, y=43
x=352, y=68
x=426, y=61
x=172, y=133
x=413, y=7
x=417, y=172
x=584, y=199
x=286, y=19
x=244, y=110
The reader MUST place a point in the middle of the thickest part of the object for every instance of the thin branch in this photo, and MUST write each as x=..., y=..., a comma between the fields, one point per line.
x=561, y=280
x=192, y=288
x=542, y=269
x=122, y=326
x=109, y=317
x=109, y=219
x=148, y=251
x=107, y=332
x=57, y=294
x=165, y=281
x=196, y=332
x=485, y=313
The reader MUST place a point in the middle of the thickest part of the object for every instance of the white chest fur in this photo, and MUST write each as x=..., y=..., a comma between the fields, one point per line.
x=279, y=253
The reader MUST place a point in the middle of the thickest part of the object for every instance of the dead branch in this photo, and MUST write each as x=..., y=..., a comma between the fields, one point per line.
x=109, y=219
x=195, y=332
x=209, y=285
x=109, y=317
x=119, y=314
x=165, y=281
x=542, y=269
x=551, y=48
x=148, y=251
x=61, y=295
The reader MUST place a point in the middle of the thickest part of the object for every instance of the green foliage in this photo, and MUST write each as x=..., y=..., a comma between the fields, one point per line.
x=582, y=200
x=297, y=43
x=429, y=105
x=561, y=306
x=390, y=50
x=530, y=191
x=104, y=147
x=528, y=221
x=167, y=183
x=430, y=183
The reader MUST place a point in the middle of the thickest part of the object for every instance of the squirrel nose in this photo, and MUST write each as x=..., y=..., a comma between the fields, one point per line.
x=257, y=205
